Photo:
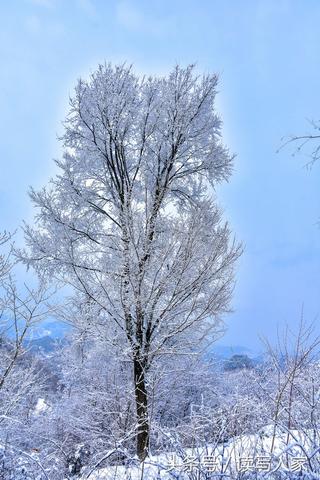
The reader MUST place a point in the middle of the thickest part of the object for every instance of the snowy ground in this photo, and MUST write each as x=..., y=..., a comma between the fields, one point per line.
x=260, y=455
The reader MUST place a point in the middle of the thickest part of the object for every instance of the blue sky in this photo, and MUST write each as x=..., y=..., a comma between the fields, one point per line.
x=267, y=55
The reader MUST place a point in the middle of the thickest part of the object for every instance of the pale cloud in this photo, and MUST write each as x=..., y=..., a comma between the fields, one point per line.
x=130, y=17
x=42, y=3
x=33, y=24
x=87, y=6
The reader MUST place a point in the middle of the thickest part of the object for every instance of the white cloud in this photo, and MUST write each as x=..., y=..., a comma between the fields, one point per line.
x=42, y=3
x=33, y=24
x=130, y=17
x=36, y=25
x=87, y=6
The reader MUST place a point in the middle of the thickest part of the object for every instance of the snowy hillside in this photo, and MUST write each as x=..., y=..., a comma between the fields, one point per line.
x=286, y=455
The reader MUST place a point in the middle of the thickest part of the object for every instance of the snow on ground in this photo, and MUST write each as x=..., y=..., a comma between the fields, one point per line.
x=40, y=407
x=261, y=452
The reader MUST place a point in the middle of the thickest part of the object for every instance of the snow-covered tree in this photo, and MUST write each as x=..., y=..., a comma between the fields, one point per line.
x=130, y=220
x=22, y=378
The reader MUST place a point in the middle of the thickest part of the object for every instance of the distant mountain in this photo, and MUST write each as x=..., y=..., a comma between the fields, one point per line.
x=53, y=333
x=227, y=351
x=45, y=344
x=51, y=328
x=227, y=356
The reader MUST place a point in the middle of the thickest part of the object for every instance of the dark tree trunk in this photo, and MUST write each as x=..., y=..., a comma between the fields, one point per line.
x=141, y=396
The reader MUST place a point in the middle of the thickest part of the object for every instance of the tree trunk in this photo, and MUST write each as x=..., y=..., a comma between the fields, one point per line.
x=141, y=396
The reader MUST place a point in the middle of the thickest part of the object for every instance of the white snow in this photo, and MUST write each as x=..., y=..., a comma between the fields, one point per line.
x=297, y=446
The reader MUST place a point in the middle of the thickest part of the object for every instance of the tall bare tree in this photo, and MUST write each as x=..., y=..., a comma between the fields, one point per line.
x=131, y=222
